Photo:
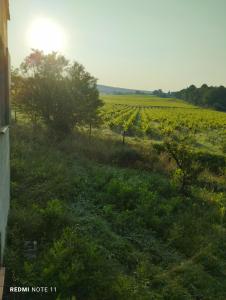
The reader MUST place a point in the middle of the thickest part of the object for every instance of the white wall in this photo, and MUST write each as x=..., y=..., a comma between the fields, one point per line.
x=4, y=185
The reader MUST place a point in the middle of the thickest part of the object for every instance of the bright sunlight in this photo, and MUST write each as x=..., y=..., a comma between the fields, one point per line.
x=46, y=35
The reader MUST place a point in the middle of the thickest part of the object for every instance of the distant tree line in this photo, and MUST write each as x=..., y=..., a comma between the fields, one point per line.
x=160, y=93
x=206, y=96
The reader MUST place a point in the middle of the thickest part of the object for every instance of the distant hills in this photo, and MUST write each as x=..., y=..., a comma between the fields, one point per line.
x=105, y=89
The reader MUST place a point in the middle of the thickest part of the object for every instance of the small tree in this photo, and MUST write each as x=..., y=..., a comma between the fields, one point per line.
x=63, y=95
x=178, y=146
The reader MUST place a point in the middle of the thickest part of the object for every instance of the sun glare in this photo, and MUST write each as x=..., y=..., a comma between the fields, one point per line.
x=46, y=35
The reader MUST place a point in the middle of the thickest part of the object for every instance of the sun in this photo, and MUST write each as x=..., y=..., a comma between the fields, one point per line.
x=46, y=35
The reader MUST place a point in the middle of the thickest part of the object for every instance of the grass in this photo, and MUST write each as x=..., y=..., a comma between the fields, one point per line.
x=96, y=205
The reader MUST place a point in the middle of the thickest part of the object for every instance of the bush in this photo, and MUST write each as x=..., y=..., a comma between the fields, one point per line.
x=153, y=133
x=126, y=157
x=179, y=149
x=212, y=162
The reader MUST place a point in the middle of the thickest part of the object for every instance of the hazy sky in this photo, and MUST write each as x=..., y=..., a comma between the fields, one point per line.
x=141, y=44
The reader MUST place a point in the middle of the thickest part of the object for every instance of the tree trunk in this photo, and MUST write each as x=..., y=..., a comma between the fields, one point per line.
x=90, y=129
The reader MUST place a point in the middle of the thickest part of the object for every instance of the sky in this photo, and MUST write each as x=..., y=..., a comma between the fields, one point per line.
x=138, y=44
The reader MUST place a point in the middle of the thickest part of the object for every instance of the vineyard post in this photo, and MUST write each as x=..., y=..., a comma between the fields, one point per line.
x=15, y=115
x=123, y=137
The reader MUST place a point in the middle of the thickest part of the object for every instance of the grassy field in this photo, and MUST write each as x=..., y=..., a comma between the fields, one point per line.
x=94, y=205
x=144, y=100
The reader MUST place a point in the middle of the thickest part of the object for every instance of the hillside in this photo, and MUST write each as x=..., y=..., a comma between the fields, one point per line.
x=104, y=89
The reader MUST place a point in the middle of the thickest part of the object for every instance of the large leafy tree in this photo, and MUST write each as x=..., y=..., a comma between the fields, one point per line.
x=61, y=93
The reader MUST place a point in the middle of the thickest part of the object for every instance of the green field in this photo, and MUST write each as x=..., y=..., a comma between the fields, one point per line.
x=144, y=100
x=149, y=117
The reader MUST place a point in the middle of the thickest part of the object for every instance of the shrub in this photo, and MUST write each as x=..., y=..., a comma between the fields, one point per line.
x=126, y=157
x=213, y=162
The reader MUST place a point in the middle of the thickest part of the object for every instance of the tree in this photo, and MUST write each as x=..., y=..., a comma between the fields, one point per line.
x=179, y=148
x=207, y=96
x=16, y=89
x=159, y=93
x=60, y=93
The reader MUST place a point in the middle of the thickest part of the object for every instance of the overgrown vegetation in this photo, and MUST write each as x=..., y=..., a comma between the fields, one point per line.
x=99, y=219
x=107, y=232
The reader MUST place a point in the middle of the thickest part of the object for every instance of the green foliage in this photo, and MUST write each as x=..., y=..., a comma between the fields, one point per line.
x=224, y=148
x=61, y=94
x=214, y=97
x=126, y=157
x=148, y=116
x=179, y=148
x=214, y=162
x=105, y=232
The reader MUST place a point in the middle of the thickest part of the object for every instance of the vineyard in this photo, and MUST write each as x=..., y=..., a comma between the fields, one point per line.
x=151, y=116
